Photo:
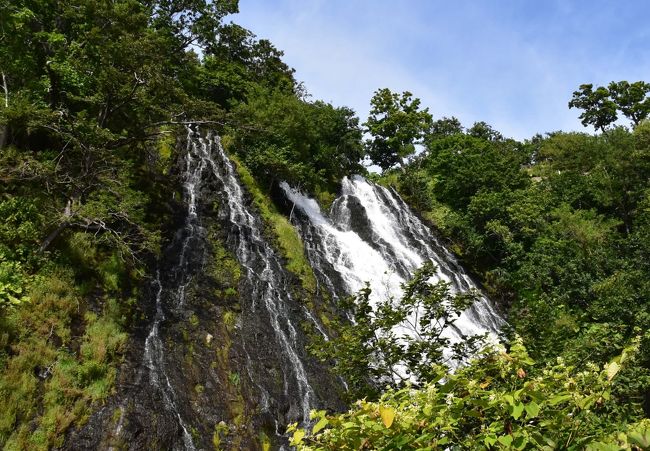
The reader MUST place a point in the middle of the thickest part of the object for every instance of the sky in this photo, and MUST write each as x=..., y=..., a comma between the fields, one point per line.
x=511, y=63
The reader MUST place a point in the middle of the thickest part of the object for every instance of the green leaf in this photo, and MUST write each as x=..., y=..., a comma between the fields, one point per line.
x=611, y=370
x=639, y=439
x=532, y=409
x=490, y=440
x=298, y=435
x=505, y=440
x=520, y=442
x=517, y=410
x=558, y=399
x=320, y=425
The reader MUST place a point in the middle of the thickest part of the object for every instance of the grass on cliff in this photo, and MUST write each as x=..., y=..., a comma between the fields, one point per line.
x=53, y=377
x=286, y=235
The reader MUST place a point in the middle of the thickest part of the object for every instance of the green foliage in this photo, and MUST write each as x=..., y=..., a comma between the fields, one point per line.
x=13, y=280
x=370, y=352
x=396, y=125
x=557, y=228
x=600, y=106
x=311, y=145
x=499, y=401
x=44, y=383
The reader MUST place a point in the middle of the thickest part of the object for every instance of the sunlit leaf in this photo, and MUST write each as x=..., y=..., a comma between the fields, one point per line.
x=320, y=425
x=387, y=415
x=532, y=409
x=611, y=370
x=298, y=435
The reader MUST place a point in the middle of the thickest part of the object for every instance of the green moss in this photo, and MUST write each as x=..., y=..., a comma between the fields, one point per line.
x=227, y=142
x=325, y=199
x=265, y=442
x=220, y=433
x=285, y=234
x=230, y=320
x=194, y=320
x=233, y=378
x=166, y=145
x=225, y=269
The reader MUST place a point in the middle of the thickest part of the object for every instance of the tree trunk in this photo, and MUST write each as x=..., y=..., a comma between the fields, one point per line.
x=3, y=136
x=52, y=236
x=68, y=214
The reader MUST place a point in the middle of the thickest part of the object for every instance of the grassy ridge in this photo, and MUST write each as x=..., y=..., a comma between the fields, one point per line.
x=285, y=234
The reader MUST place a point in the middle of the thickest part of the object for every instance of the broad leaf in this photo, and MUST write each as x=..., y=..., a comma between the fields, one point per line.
x=387, y=415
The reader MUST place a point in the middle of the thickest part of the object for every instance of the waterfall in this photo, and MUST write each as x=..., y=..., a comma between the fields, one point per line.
x=190, y=237
x=371, y=235
x=264, y=277
x=270, y=331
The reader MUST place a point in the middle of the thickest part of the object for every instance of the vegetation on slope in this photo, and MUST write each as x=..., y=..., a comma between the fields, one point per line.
x=94, y=95
x=557, y=227
x=499, y=401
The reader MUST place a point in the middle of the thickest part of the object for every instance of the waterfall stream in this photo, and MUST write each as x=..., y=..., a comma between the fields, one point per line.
x=264, y=275
x=371, y=235
x=191, y=250
x=263, y=280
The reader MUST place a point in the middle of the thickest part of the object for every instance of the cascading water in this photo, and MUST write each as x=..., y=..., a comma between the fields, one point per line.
x=370, y=235
x=264, y=276
x=190, y=236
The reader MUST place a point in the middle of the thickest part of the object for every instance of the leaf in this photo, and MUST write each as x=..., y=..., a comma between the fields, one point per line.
x=298, y=435
x=320, y=425
x=642, y=440
x=387, y=415
x=505, y=440
x=517, y=410
x=611, y=370
x=558, y=399
x=520, y=442
x=532, y=409
x=490, y=440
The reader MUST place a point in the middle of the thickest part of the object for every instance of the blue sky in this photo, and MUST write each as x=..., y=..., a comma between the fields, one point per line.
x=511, y=63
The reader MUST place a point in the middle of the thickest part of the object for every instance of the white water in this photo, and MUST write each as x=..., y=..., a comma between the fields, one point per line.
x=395, y=244
x=154, y=358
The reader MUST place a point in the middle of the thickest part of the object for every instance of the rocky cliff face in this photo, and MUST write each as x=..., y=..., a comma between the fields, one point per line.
x=219, y=358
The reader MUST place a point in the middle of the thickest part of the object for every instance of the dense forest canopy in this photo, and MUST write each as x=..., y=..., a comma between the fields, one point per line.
x=556, y=227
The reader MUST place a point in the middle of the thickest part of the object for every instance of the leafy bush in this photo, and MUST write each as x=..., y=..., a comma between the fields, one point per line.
x=499, y=401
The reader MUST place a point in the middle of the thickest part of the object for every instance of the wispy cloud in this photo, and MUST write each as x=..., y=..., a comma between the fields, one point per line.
x=511, y=63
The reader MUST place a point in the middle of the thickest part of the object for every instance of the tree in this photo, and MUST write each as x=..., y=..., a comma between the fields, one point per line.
x=632, y=99
x=398, y=341
x=447, y=126
x=598, y=108
x=396, y=124
x=484, y=131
